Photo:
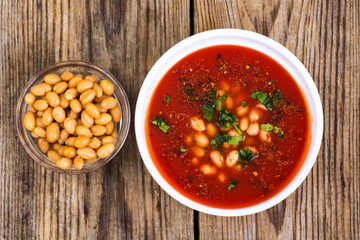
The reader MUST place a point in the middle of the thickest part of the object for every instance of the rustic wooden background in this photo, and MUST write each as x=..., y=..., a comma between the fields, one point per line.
x=121, y=200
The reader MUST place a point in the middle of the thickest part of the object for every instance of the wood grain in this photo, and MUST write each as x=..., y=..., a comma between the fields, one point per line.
x=325, y=37
x=119, y=200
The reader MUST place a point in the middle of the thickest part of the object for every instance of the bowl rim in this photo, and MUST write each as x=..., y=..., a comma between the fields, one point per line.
x=251, y=40
x=64, y=64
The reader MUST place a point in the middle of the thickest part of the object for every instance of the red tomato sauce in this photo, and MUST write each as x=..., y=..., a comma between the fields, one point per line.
x=238, y=72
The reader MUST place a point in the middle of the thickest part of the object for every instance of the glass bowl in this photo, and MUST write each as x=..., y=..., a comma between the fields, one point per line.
x=77, y=67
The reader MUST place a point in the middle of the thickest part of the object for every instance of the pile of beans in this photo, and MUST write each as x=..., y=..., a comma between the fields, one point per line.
x=248, y=124
x=73, y=118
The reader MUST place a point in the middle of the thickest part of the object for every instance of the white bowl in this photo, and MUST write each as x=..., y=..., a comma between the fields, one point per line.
x=247, y=39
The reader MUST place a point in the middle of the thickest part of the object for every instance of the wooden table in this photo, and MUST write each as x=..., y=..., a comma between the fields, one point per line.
x=121, y=200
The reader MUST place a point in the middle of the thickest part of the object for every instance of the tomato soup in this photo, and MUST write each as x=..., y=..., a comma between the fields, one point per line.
x=228, y=127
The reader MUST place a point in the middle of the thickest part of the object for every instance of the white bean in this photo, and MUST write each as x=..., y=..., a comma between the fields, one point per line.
x=253, y=116
x=229, y=103
x=197, y=124
x=198, y=151
x=222, y=177
x=233, y=133
x=252, y=149
x=244, y=124
x=211, y=130
x=261, y=106
x=241, y=111
x=232, y=158
x=207, y=169
x=226, y=145
x=195, y=160
x=217, y=158
x=201, y=139
x=253, y=129
x=264, y=136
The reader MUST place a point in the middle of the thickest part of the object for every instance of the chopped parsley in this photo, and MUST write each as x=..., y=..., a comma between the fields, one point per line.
x=182, y=149
x=160, y=123
x=232, y=184
x=221, y=137
x=243, y=104
x=235, y=140
x=263, y=99
x=279, y=132
x=227, y=120
x=219, y=102
x=269, y=102
x=247, y=155
x=212, y=104
x=167, y=99
x=276, y=98
x=208, y=110
x=267, y=127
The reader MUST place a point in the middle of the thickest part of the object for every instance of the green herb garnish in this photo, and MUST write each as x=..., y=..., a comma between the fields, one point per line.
x=226, y=117
x=219, y=102
x=243, y=104
x=160, y=123
x=247, y=155
x=232, y=184
x=263, y=99
x=235, y=140
x=182, y=149
x=269, y=102
x=279, y=132
x=208, y=110
x=221, y=137
x=166, y=100
x=267, y=127
x=227, y=120
x=276, y=98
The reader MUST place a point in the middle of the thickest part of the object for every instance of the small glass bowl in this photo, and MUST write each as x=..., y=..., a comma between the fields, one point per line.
x=77, y=67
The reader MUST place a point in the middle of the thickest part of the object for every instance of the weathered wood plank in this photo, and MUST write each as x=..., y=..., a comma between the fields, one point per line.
x=325, y=37
x=119, y=200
